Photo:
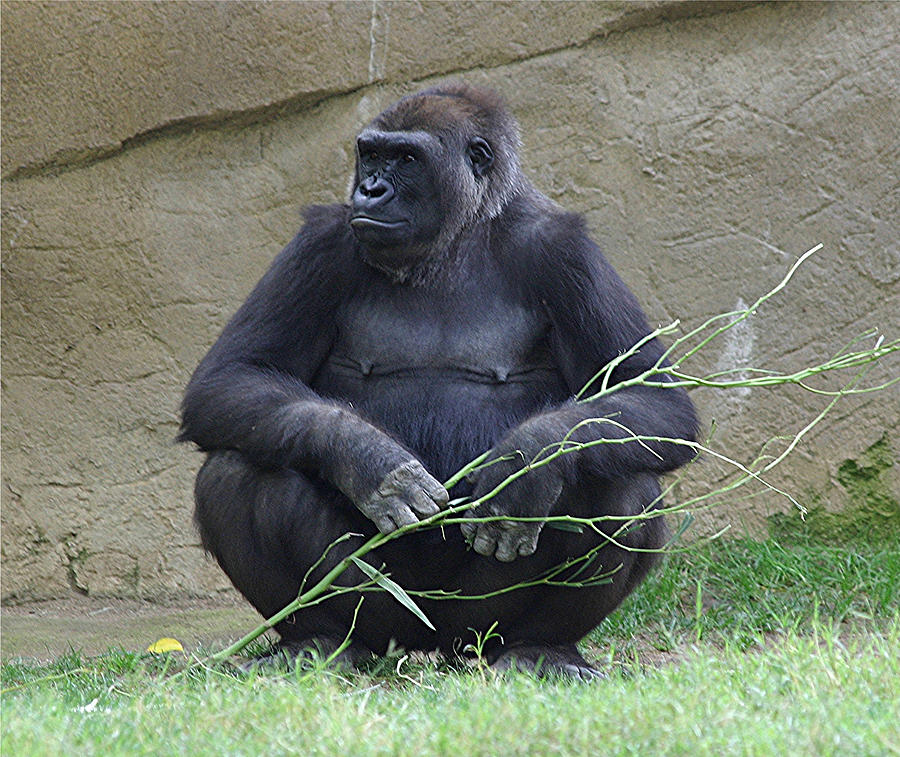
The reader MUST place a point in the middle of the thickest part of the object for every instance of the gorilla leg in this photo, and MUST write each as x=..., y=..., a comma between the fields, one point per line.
x=266, y=528
x=567, y=614
x=551, y=619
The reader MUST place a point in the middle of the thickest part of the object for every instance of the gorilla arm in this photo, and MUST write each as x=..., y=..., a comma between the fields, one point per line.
x=251, y=394
x=594, y=318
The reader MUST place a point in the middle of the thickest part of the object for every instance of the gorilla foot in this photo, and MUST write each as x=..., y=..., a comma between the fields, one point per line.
x=547, y=662
x=308, y=652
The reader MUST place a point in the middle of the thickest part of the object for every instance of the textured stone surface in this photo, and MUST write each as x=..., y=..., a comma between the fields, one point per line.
x=706, y=153
x=83, y=79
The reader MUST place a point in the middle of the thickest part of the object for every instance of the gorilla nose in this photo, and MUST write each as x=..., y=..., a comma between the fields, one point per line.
x=375, y=189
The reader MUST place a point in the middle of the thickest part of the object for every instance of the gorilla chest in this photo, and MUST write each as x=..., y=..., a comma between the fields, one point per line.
x=446, y=376
x=410, y=338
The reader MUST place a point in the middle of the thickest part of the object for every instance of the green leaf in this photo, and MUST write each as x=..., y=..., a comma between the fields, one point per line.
x=564, y=525
x=395, y=590
x=686, y=522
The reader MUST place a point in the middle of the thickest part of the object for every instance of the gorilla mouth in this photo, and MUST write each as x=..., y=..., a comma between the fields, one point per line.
x=362, y=223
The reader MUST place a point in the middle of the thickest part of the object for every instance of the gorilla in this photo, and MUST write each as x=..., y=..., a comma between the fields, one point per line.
x=447, y=310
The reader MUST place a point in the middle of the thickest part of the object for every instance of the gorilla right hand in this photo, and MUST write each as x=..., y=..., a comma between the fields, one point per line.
x=375, y=472
x=407, y=488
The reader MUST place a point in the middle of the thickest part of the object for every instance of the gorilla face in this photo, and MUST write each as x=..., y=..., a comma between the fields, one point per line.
x=415, y=190
x=397, y=205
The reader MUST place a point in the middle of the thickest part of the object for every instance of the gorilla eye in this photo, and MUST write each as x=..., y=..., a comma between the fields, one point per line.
x=408, y=157
x=371, y=155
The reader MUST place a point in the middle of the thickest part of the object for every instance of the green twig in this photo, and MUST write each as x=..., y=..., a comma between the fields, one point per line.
x=658, y=375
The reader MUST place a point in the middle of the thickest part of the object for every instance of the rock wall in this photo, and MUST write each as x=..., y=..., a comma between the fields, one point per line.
x=155, y=157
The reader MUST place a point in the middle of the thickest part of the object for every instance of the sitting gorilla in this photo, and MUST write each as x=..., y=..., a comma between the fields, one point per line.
x=449, y=309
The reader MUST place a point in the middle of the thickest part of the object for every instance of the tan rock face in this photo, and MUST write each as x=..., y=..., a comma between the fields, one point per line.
x=156, y=157
x=83, y=80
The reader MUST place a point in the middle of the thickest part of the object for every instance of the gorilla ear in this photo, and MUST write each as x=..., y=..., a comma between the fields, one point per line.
x=480, y=155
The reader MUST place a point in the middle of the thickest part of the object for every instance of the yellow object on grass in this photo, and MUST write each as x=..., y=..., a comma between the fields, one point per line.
x=165, y=645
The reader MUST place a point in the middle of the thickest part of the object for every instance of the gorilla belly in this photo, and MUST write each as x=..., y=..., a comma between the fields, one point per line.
x=445, y=415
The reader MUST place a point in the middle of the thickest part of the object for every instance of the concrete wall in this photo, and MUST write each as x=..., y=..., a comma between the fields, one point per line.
x=155, y=157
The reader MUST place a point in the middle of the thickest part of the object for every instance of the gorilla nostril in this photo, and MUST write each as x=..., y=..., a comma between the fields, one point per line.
x=374, y=188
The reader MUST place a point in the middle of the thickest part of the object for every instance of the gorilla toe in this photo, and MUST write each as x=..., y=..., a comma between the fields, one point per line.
x=289, y=653
x=547, y=662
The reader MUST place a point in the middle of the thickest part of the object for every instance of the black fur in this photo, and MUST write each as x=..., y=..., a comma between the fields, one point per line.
x=341, y=369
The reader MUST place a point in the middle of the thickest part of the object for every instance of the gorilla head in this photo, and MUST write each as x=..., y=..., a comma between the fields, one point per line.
x=426, y=169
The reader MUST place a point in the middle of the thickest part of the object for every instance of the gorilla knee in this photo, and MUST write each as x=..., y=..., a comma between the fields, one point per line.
x=640, y=496
x=222, y=497
x=220, y=469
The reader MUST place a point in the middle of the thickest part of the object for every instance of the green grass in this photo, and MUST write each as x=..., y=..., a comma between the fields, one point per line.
x=789, y=650
x=738, y=591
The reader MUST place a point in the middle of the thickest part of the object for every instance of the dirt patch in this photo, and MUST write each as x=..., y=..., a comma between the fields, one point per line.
x=91, y=625
x=46, y=630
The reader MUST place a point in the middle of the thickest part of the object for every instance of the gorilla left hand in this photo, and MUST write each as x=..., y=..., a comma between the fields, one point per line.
x=530, y=496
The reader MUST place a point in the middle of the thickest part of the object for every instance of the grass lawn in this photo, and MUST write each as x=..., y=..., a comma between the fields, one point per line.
x=738, y=647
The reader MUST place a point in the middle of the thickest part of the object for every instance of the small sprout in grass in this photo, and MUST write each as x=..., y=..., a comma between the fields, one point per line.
x=164, y=645
x=477, y=647
x=93, y=706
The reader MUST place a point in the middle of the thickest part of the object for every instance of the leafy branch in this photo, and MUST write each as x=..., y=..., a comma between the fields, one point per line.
x=669, y=371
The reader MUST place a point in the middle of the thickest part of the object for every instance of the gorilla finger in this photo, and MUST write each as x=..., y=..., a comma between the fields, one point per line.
x=401, y=514
x=468, y=530
x=435, y=491
x=383, y=522
x=506, y=547
x=423, y=503
x=413, y=476
x=528, y=545
x=485, y=543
